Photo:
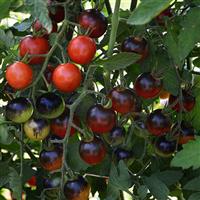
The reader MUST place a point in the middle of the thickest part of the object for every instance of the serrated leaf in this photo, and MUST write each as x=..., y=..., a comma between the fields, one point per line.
x=119, y=61
x=147, y=10
x=4, y=5
x=194, y=196
x=157, y=188
x=189, y=156
x=193, y=185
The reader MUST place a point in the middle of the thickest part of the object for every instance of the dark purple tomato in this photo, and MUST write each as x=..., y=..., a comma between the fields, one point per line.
x=164, y=147
x=122, y=154
x=100, y=119
x=147, y=86
x=92, y=152
x=158, y=123
x=51, y=182
x=48, y=73
x=93, y=20
x=77, y=189
x=188, y=102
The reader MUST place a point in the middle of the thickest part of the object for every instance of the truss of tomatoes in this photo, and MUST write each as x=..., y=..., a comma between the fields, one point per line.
x=50, y=114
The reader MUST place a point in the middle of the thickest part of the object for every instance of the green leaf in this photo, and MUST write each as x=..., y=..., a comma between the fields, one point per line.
x=147, y=10
x=196, y=62
x=189, y=156
x=193, y=184
x=5, y=136
x=157, y=188
x=6, y=39
x=194, y=196
x=4, y=173
x=4, y=5
x=119, y=61
x=142, y=191
x=23, y=26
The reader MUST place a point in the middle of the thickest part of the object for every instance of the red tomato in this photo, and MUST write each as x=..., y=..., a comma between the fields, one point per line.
x=81, y=49
x=67, y=77
x=32, y=46
x=32, y=181
x=19, y=75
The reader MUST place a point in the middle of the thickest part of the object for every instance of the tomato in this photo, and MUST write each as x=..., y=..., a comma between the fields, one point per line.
x=188, y=102
x=67, y=77
x=51, y=182
x=32, y=46
x=32, y=181
x=164, y=147
x=164, y=94
x=77, y=189
x=100, y=119
x=163, y=15
x=36, y=129
x=19, y=110
x=92, y=152
x=19, y=75
x=81, y=49
x=124, y=100
x=147, y=86
x=141, y=129
x=93, y=20
x=51, y=160
x=122, y=154
x=49, y=73
x=136, y=45
x=59, y=125
x=158, y=123
x=50, y=105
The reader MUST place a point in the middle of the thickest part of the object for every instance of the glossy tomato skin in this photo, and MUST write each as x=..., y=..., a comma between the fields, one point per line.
x=124, y=100
x=59, y=125
x=157, y=123
x=164, y=147
x=51, y=160
x=67, y=77
x=19, y=75
x=32, y=181
x=122, y=154
x=164, y=14
x=19, y=110
x=92, y=152
x=147, y=86
x=100, y=119
x=188, y=102
x=135, y=45
x=77, y=189
x=34, y=45
x=50, y=105
x=51, y=182
x=81, y=49
x=93, y=20
x=49, y=73
x=36, y=129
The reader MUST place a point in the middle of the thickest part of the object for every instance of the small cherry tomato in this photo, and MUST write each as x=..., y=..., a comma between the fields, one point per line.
x=147, y=86
x=19, y=110
x=100, y=119
x=122, y=154
x=36, y=129
x=59, y=125
x=67, y=77
x=188, y=102
x=51, y=160
x=81, y=49
x=164, y=94
x=93, y=20
x=158, y=123
x=51, y=182
x=49, y=73
x=50, y=105
x=33, y=46
x=92, y=152
x=77, y=189
x=164, y=147
x=19, y=75
x=32, y=181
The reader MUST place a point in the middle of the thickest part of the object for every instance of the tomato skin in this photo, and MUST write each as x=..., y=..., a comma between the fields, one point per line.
x=95, y=21
x=164, y=147
x=100, y=119
x=122, y=154
x=164, y=94
x=19, y=75
x=77, y=189
x=34, y=45
x=124, y=100
x=157, y=123
x=49, y=73
x=92, y=152
x=36, y=129
x=51, y=182
x=136, y=45
x=51, y=160
x=59, y=125
x=188, y=102
x=32, y=181
x=147, y=86
x=81, y=49
x=67, y=77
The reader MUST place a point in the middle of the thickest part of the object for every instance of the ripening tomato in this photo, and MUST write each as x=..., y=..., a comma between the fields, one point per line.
x=81, y=49
x=122, y=154
x=164, y=94
x=93, y=20
x=19, y=75
x=51, y=182
x=33, y=46
x=67, y=77
x=32, y=181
